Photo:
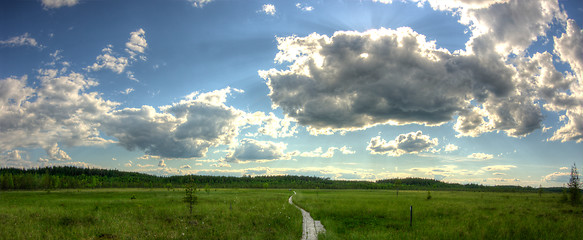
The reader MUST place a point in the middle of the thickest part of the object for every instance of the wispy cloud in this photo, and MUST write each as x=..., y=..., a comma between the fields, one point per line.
x=19, y=41
x=59, y=3
x=481, y=156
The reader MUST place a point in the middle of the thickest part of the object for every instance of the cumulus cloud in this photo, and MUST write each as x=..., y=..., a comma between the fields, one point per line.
x=59, y=109
x=268, y=9
x=137, y=43
x=183, y=130
x=55, y=154
x=107, y=60
x=512, y=25
x=117, y=63
x=355, y=80
x=250, y=150
x=481, y=156
x=560, y=177
x=19, y=41
x=271, y=125
x=13, y=156
x=569, y=48
x=59, y=3
x=494, y=168
x=410, y=143
x=451, y=148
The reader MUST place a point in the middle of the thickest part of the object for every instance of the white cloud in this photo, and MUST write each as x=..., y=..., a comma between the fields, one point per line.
x=108, y=61
x=19, y=41
x=113, y=61
x=318, y=152
x=200, y=3
x=512, y=25
x=410, y=143
x=451, y=147
x=59, y=3
x=137, y=43
x=569, y=48
x=146, y=157
x=494, y=168
x=56, y=154
x=304, y=8
x=573, y=129
x=183, y=130
x=127, y=91
x=13, y=156
x=221, y=164
x=560, y=177
x=445, y=171
x=185, y=166
x=250, y=150
x=268, y=9
x=564, y=168
x=384, y=1
x=481, y=156
x=271, y=125
x=59, y=109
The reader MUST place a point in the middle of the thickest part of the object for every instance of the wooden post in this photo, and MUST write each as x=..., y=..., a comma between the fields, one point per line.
x=411, y=216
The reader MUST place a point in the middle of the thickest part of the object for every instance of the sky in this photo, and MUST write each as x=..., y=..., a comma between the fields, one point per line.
x=463, y=91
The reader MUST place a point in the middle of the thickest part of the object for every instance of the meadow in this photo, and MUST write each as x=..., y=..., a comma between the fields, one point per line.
x=266, y=214
x=379, y=214
x=151, y=214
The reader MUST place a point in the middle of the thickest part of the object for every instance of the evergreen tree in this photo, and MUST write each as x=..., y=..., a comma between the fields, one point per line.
x=574, y=186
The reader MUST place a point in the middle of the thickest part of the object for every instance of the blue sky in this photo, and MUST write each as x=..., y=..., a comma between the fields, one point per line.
x=486, y=92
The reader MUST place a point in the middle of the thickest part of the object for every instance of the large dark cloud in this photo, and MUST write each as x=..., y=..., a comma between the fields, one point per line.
x=355, y=80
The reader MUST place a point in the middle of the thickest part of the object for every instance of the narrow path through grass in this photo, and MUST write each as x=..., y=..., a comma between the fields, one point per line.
x=310, y=227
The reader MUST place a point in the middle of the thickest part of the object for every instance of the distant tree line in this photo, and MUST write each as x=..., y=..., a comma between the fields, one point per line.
x=66, y=177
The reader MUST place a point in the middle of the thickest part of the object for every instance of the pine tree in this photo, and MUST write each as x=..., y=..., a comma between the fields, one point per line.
x=190, y=197
x=574, y=186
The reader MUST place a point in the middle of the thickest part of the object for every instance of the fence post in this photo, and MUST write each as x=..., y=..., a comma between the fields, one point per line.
x=411, y=216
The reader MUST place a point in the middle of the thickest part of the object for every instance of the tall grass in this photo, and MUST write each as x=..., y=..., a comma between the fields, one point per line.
x=153, y=214
x=360, y=214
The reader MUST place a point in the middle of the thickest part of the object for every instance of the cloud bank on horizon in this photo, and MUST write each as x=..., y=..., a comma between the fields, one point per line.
x=321, y=86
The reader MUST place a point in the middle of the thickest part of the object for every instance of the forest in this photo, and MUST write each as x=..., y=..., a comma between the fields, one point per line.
x=67, y=177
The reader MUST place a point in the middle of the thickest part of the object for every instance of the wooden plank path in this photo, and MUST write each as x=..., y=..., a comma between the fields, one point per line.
x=310, y=227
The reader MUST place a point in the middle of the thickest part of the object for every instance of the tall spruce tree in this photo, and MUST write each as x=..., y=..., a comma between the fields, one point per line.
x=574, y=186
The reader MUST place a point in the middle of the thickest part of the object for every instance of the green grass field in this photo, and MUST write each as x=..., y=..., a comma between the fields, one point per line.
x=355, y=214
x=265, y=214
x=153, y=214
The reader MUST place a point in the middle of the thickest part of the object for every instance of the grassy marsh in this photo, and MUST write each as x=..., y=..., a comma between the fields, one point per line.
x=153, y=214
x=377, y=214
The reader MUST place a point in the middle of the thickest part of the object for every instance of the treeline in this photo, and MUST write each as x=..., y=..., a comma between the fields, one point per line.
x=65, y=177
